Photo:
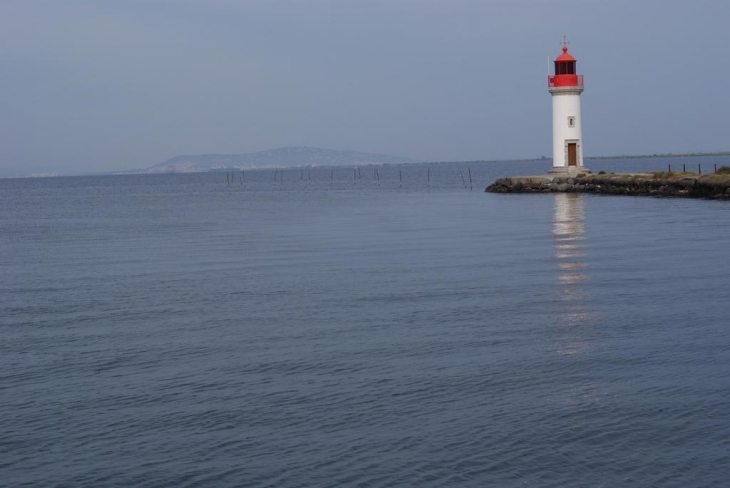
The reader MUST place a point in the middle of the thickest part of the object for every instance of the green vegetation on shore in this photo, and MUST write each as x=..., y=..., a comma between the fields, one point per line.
x=722, y=172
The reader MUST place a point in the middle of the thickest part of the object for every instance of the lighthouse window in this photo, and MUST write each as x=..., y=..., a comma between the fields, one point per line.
x=564, y=67
x=571, y=121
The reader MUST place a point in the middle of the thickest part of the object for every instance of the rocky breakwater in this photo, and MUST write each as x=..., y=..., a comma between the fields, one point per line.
x=715, y=186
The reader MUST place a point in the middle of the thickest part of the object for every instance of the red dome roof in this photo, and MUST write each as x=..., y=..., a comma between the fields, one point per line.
x=565, y=56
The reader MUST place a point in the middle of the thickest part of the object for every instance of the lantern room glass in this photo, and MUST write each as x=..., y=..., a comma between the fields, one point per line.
x=564, y=67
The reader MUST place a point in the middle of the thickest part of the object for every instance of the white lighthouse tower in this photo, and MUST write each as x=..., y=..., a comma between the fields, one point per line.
x=565, y=87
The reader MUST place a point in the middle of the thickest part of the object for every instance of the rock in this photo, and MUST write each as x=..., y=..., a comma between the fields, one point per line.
x=695, y=187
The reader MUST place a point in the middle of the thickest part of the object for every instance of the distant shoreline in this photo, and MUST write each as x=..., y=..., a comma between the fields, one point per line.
x=592, y=158
x=667, y=155
x=476, y=161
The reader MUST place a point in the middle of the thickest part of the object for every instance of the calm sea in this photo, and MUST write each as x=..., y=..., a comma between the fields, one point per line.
x=344, y=328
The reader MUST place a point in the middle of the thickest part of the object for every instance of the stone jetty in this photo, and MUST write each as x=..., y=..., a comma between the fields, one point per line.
x=662, y=184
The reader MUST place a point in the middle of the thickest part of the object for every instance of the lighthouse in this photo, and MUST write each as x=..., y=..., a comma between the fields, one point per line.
x=565, y=86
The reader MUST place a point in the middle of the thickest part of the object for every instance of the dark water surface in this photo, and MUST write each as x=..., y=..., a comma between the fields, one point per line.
x=174, y=330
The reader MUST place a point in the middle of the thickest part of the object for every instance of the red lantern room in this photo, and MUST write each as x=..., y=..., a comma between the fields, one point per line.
x=565, y=74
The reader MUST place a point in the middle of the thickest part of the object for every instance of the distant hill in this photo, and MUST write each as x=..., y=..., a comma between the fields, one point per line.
x=273, y=158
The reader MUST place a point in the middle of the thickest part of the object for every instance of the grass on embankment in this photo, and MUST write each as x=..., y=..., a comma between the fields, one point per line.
x=722, y=172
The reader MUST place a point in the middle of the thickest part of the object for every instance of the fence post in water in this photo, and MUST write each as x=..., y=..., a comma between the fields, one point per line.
x=428, y=178
x=699, y=168
x=462, y=178
x=470, y=185
x=400, y=177
x=670, y=168
x=684, y=170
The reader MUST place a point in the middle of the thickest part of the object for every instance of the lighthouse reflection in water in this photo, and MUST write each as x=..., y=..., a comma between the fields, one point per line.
x=570, y=247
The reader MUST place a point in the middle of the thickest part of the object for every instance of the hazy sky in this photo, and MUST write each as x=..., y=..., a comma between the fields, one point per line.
x=118, y=84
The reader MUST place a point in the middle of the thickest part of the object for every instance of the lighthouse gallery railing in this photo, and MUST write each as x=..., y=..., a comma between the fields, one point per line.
x=565, y=80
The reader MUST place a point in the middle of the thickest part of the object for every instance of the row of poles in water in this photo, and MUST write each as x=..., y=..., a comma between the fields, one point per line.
x=279, y=176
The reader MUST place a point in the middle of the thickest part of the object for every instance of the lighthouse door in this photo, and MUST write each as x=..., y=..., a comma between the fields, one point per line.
x=572, y=154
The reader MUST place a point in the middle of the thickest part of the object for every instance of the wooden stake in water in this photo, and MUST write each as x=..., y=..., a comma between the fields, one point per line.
x=470, y=186
x=699, y=168
x=400, y=176
x=309, y=175
x=462, y=178
x=684, y=169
